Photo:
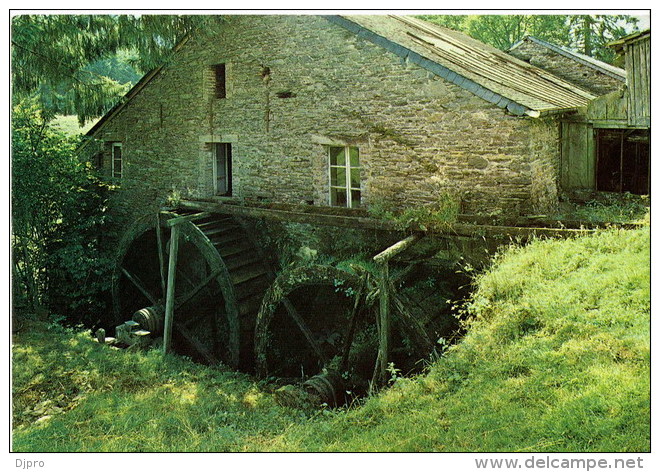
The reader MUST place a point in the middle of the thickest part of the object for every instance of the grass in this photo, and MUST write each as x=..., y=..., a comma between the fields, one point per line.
x=556, y=358
x=617, y=208
x=71, y=394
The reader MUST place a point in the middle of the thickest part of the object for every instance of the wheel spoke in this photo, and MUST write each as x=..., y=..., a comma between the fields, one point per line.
x=293, y=313
x=199, y=347
x=191, y=294
x=140, y=286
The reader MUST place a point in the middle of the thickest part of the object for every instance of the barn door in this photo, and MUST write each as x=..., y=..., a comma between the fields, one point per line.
x=578, y=157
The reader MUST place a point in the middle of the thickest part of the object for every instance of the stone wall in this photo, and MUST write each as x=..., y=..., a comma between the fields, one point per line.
x=568, y=69
x=418, y=136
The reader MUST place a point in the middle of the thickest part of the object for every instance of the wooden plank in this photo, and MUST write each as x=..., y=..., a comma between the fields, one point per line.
x=182, y=219
x=452, y=230
x=140, y=286
x=395, y=249
x=171, y=283
x=384, y=322
x=161, y=254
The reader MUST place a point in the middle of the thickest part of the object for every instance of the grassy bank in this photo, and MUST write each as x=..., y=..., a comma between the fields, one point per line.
x=557, y=358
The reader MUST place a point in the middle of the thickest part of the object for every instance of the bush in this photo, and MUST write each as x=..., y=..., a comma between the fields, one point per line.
x=60, y=221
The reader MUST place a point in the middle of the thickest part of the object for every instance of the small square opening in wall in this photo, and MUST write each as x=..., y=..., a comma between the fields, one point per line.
x=220, y=78
x=344, y=171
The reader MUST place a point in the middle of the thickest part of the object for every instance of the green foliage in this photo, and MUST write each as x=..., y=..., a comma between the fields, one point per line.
x=72, y=394
x=588, y=34
x=436, y=216
x=56, y=57
x=60, y=222
x=615, y=208
x=557, y=358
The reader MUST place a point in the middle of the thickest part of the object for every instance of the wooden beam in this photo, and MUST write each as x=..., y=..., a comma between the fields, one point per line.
x=384, y=322
x=293, y=313
x=395, y=249
x=171, y=283
x=182, y=219
x=315, y=216
x=161, y=254
x=187, y=297
x=140, y=286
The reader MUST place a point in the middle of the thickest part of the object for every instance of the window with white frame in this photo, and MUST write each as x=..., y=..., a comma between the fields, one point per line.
x=344, y=165
x=116, y=160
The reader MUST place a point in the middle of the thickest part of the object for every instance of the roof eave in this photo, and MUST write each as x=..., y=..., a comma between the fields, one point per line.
x=555, y=112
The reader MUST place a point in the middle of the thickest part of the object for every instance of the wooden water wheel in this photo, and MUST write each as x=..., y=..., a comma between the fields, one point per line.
x=221, y=277
x=320, y=324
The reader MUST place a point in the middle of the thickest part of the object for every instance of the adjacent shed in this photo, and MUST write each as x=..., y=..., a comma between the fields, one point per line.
x=607, y=149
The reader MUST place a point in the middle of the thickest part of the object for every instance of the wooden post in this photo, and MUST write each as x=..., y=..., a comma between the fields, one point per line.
x=384, y=320
x=171, y=281
x=382, y=259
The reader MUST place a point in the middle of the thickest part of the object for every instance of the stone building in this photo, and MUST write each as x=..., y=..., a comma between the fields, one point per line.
x=349, y=111
x=588, y=73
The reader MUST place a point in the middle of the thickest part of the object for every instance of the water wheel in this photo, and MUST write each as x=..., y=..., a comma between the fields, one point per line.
x=221, y=277
x=318, y=324
x=306, y=326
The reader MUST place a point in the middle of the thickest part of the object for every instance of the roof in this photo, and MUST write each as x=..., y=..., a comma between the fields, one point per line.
x=600, y=66
x=487, y=72
x=631, y=38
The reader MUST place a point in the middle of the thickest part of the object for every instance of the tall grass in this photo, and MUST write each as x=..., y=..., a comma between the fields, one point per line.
x=556, y=358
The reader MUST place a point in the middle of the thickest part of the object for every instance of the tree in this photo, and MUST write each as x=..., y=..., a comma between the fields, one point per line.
x=59, y=221
x=54, y=56
x=589, y=34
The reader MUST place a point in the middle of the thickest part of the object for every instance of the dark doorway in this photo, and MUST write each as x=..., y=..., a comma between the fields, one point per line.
x=222, y=169
x=623, y=161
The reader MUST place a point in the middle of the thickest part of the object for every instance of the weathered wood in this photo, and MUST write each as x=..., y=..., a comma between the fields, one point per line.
x=171, y=285
x=412, y=323
x=190, y=338
x=189, y=296
x=293, y=313
x=161, y=254
x=383, y=322
x=452, y=229
x=358, y=309
x=140, y=286
x=395, y=249
x=178, y=219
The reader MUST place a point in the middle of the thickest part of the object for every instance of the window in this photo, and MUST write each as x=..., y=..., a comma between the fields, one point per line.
x=222, y=169
x=220, y=77
x=623, y=161
x=116, y=160
x=345, y=176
